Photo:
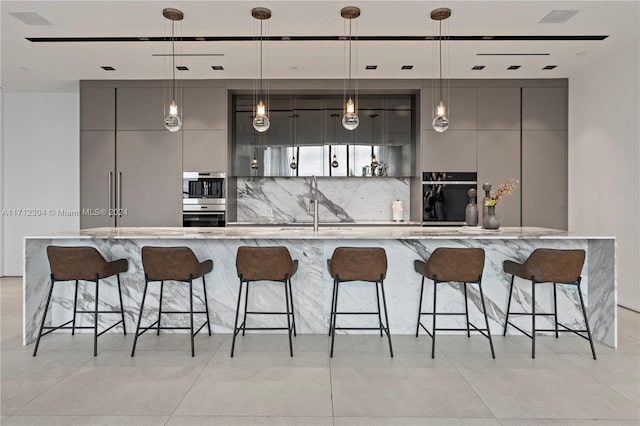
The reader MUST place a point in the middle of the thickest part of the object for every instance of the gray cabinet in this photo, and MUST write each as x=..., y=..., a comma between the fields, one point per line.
x=544, y=179
x=150, y=178
x=544, y=108
x=97, y=108
x=97, y=177
x=451, y=151
x=499, y=108
x=204, y=109
x=204, y=150
x=143, y=108
x=499, y=160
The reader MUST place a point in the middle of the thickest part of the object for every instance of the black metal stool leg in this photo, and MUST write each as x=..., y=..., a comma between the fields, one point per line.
x=144, y=295
x=486, y=320
x=160, y=307
x=333, y=302
x=235, y=326
x=246, y=304
x=555, y=308
x=533, y=317
x=433, y=339
x=95, y=319
x=420, y=306
x=75, y=308
x=333, y=316
x=286, y=297
x=44, y=317
x=379, y=314
x=506, y=317
x=293, y=312
x=124, y=326
x=466, y=308
x=586, y=321
x=206, y=303
x=193, y=351
x=386, y=316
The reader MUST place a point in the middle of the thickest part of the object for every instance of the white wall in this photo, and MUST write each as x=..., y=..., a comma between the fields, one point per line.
x=604, y=160
x=41, y=169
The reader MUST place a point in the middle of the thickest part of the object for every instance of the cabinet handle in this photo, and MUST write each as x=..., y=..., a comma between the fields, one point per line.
x=110, y=193
x=119, y=206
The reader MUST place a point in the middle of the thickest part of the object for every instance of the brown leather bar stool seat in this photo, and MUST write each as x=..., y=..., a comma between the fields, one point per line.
x=173, y=264
x=265, y=264
x=463, y=265
x=548, y=266
x=82, y=264
x=367, y=264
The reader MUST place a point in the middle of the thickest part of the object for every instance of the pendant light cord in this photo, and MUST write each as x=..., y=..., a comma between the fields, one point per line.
x=350, y=57
x=261, y=38
x=173, y=61
x=440, y=52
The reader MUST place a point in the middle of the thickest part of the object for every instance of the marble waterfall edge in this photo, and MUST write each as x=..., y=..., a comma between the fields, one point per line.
x=285, y=200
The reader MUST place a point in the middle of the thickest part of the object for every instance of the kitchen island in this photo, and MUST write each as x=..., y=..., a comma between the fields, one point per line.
x=312, y=285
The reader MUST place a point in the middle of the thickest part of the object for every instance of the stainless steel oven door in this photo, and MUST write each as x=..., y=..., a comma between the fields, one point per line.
x=203, y=219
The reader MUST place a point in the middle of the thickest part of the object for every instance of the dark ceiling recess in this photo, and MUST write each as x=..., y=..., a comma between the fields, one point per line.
x=182, y=68
x=550, y=67
x=108, y=68
x=217, y=67
x=478, y=67
x=318, y=38
x=407, y=67
x=371, y=67
x=514, y=67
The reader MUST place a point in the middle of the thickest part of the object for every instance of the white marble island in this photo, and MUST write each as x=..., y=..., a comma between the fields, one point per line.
x=312, y=283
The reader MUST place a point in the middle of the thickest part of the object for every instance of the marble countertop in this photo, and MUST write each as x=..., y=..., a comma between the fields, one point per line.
x=327, y=224
x=325, y=232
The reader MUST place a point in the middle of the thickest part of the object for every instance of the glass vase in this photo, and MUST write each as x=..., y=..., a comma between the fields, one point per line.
x=490, y=220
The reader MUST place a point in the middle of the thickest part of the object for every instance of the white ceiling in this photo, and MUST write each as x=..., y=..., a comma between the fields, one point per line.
x=58, y=66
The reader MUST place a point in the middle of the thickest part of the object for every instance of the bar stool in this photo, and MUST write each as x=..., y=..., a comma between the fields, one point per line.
x=173, y=264
x=82, y=264
x=548, y=266
x=367, y=264
x=265, y=264
x=463, y=265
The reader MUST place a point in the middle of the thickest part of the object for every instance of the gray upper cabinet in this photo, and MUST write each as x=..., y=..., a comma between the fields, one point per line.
x=544, y=179
x=97, y=176
x=143, y=108
x=204, y=109
x=499, y=108
x=97, y=108
x=544, y=108
x=499, y=160
x=462, y=108
x=204, y=151
x=451, y=151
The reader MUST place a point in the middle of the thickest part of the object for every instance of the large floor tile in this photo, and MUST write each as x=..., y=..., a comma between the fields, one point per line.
x=390, y=392
x=268, y=391
x=277, y=342
x=85, y=420
x=247, y=421
x=381, y=359
x=479, y=345
x=509, y=360
x=120, y=391
x=266, y=359
x=553, y=393
x=566, y=422
x=413, y=421
x=168, y=342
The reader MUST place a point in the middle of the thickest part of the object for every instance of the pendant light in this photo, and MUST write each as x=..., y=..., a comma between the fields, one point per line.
x=374, y=160
x=173, y=122
x=350, y=119
x=261, y=119
x=254, y=163
x=334, y=160
x=294, y=163
x=440, y=121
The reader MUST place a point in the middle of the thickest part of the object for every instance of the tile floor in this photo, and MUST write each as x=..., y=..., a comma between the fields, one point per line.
x=361, y=385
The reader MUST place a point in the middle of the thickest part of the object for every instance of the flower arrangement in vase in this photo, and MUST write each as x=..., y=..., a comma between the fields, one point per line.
x=490, y=220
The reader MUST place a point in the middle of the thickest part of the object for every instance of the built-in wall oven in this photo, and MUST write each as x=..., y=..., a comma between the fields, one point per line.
x=444, y=197
x=203, y=199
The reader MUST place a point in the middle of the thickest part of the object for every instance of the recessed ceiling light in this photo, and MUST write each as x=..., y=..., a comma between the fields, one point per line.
x=371, y=67
x=558, y=16
x=30, y=18
x=217, y=67
x=549, y=67
x=182, y=68
x=478, y=67
x=407, y=67
x=108, y=68
x=514, y=67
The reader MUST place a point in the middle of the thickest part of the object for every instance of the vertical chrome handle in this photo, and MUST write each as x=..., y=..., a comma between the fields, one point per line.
x=119, y=206
x=110, y=193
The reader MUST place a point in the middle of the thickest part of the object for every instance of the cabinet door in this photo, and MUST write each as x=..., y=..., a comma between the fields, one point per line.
x=499, y=108
x=451, y=151
x=544, y=108
x=97, y=179
x=204, y=108
x=143, y=108
x=97, y=108
x=149, y=166
x=499, y=160
x=544, y=179
x=204, y=150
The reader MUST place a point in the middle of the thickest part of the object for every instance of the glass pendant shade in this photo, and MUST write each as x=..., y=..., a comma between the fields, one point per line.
x=440, y=122
x=293, y=164
x=254, y=163
x=334, y=161
x=172, y=122
x=350, y=120
x=261, y=122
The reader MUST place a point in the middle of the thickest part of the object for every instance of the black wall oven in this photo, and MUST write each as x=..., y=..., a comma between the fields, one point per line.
x=444, y=197
x=203, y=199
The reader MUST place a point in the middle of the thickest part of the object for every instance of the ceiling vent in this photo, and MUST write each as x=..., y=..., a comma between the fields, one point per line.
x=558, y=16
x=29, y=18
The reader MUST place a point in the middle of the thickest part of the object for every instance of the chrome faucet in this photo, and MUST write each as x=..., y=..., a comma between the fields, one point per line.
x=313, y=201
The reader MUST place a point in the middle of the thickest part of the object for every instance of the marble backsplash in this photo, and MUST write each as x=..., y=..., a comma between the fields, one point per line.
x=286, y=200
